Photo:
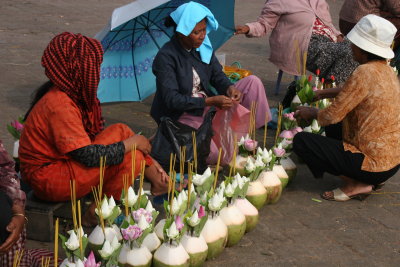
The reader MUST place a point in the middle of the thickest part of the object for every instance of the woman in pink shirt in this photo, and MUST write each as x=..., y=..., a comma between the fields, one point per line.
x=308, y=24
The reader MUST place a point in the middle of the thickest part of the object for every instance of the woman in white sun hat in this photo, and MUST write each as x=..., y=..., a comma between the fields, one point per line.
x=368, y=105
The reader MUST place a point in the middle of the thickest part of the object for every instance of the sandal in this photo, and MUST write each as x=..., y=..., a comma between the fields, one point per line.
x=339, y=195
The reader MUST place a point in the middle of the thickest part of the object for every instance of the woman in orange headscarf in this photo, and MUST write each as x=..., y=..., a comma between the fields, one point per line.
x=63, y=137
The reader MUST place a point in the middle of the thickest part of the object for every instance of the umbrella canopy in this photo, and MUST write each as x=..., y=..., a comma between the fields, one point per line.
x=132, y=39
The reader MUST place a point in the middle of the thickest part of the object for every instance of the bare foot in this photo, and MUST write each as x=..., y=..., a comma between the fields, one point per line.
x=350, y=188
x=159, y=185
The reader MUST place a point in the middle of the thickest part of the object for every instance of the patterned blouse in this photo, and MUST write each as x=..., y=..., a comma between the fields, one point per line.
x=320, y=28
x=9, y=181
x=369, y=105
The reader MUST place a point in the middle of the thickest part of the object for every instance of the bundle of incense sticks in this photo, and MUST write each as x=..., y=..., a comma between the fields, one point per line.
x=17, y=258
x=56, y=243
x=142, y=169
x=45, y=262
x=190, y=176
x=172, y=193
x=73, y=203
x=278, y=129
x=217, y=168
x=194, y=150
x=172, y=159
x=133, y=158
x=266, y=128
x=182, y=166
x=125, y=181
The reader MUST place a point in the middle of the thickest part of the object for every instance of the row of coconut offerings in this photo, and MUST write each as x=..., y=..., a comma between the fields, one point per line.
x=201, y=220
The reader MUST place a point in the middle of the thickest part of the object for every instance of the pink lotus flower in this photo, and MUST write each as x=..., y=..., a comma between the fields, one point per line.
x=178, y=222
x=17, y=125
x=289, y=116
x=131, y=233
x=91, y=261
x=286, y=134
x=137, y=213
x=250, y=144
x=296, y=130
x=201, y=212
x=279, y=152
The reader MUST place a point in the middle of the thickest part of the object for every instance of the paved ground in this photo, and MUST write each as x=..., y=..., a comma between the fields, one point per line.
x=294, y=232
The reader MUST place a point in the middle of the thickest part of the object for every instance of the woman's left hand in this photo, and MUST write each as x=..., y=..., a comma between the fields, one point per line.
x=234, y=93
x=15, y=227
x=306, y=113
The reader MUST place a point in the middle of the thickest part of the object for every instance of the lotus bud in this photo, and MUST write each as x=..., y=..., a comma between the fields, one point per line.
x=201, y=212
x=250, y=144
x=259, y=162
x=143, y=224
x=200, y=179
x=132, y=197
x=114, y=243
x=194, y=219
x=175, y=206
x=91, y=261
x=106, y=250
x=314, y=126
x=279, y=151
x=307, y=129
x=172, y=232
x=105, y=210
x=72, y=242
x=249, y=167
x=296, y=130
x=286, y=134
x=178, y=222
x=149, y=207
x=229, y=190
x=111, y=203
x=241, y=141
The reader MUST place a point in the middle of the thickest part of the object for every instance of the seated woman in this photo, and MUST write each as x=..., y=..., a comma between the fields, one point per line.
x=63, y=137
x=308, y=24
x=186, y=66
x=369, y=108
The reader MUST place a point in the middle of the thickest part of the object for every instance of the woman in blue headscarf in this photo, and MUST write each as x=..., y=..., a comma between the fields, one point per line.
x=186, y=66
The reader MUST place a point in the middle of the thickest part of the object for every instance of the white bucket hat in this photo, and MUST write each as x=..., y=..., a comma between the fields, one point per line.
x=375, y=35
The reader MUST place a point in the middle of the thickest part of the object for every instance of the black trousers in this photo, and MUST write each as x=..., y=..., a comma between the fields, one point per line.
x=5, y=215
x=326, y=154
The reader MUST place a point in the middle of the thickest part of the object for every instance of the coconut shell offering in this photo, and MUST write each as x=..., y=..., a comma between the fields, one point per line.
x=272, y=184
x=290, y=168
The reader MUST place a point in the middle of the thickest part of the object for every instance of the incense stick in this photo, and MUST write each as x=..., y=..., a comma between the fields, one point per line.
x=125, y=178
x=80, y=227
x=45, y=262
x=133, y=158
x=17, y=258
x=73, y=202
x=142, y=168
x=56, y=244
x=97, y=200
x=217, y=168
x=194, y=150
x=190, y=175
x=304, y=62
x=278, y=129
x=182, y=166
x=266, y=128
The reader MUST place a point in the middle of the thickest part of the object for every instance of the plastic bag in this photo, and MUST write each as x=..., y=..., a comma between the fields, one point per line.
x=227, y=125
x=171, y=135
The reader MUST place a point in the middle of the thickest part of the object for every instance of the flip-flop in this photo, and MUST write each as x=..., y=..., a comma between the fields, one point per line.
x=339, y=195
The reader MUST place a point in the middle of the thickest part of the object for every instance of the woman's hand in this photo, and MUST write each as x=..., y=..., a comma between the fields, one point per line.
x=242, y=29
x=164, y=175
x=306, y=113
x=339, y=38
x=142, y=143
x=220, y=101
x=234, y=93
x=15, y=227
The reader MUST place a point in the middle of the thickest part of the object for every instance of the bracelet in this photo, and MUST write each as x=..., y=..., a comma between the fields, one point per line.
x=21, y=214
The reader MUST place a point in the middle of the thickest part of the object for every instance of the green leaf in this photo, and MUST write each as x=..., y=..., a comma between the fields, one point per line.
x=63, y=240
x=113, y=259
x=198, y=228
x=116, y=211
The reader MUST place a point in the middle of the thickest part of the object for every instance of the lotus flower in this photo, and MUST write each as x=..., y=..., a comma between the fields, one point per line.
x=72, y=242
x=249, y=167
x=172, y=232
x=314, y=126
x=194, y=219
x=203, y=198
x=201, y=212
x=132, y=232
x=114, y=243
x=296, y=130
x=266, y=155
x=132, y=197
x=215, y=202
x=178, y=222
x=105, y=209
x=149, y=207
x=200, y=179
x=279, y=151
x=307, y=129
x=91, y=261
x=137, y=214
x=106, y=251
x=286, y=143
x=143, y=224
x=289, y=116
x=111, y=203
x=287, y=134
x=250, y=144
x=229, y=190
x=175, y=207
x=17, y=125
x=259, y=162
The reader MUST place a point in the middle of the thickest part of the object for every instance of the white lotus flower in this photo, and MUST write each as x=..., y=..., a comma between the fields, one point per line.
x=259, y=162
x=143, y=224
x=149, y=207
x=111, y=203
x=175, y=207
x=214, y=204
x=105, y=209
x=106, y=250
x=194, y=219
x=307, y=129
x=314, y=126
x=237, y=176
x=132, y=197
x=229, y=190
x=79, y=230
x=241, y=141
x=203, y=198
x=172, y=232
x=259, y=151
x=72, y=242
x=199, y=179
x=114, y=243
x=249, y=167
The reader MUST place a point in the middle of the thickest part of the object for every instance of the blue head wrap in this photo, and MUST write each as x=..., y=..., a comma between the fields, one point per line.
x=186, y=17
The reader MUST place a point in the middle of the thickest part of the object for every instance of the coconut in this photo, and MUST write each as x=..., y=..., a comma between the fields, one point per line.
x=235, y=220
x=173, y=255
x=249, y=211
x=197, y=249
x=138, y=257
x=272, y=184
x=122, y=255
x=152, y=242
x=239, y=164
x=280, y=171
x=215, y=232
x=256, y=194
x=159, y=229
x=96, y=238
x=290, y=168
x=67, y=263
